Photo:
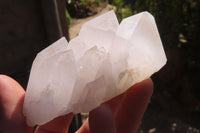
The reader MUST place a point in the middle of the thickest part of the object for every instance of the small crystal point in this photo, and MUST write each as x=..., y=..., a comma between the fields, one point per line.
x=88, y=65
x=46, y=94
x=103, y=61
x=100, y=31
x=142, y=43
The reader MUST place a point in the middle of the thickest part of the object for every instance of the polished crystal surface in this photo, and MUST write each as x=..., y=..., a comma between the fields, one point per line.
x=103, y=61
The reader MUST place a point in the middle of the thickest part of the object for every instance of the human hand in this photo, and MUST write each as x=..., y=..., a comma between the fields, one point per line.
x=121, y=114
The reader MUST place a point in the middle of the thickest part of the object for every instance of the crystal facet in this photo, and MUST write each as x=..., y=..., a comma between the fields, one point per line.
x=103, y=61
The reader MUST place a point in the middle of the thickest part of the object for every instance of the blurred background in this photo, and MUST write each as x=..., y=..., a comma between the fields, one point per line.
x=26, y=27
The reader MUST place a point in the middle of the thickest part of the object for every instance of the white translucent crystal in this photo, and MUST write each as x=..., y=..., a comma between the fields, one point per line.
x=103, y=61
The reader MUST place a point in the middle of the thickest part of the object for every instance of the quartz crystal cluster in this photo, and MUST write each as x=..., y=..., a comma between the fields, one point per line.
x=103, y=61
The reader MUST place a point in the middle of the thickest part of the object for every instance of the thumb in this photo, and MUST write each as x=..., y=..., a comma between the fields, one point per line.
x=11, y=104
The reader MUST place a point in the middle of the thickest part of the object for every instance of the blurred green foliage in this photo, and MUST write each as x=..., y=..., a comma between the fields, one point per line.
x=69, y=21
x=122, y=10
x=82, y=8
x=85, y=2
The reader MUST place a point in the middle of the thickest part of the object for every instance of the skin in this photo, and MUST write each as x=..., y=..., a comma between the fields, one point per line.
x=121, y=114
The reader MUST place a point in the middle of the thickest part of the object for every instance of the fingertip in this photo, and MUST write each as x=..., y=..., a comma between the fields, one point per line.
x=11, y=95
x=133, y=106
x=144, y=86
x=11, y=102
x=142, y=91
